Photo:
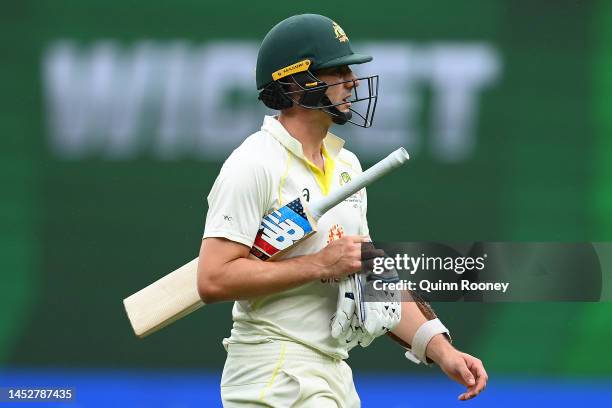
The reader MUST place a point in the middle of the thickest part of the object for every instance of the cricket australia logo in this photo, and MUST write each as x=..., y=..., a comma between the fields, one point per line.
x=344, y=178
x=340, y=34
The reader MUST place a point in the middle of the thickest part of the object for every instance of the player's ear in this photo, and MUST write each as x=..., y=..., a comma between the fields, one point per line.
x=273, y=97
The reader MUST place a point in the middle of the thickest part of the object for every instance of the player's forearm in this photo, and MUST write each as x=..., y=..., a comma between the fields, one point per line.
x=412, y=319
x=245, y=278
x=225, y=271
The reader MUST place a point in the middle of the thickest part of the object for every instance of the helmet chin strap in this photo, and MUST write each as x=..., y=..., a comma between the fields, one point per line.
x=338, y=117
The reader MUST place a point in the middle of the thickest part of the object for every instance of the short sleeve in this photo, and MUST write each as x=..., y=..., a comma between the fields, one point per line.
x=238, y=200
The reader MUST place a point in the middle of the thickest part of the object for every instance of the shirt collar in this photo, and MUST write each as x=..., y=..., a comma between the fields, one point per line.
x=333, y=144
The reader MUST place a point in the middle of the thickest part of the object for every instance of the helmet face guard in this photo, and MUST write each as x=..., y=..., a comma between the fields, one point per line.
x=304, y=89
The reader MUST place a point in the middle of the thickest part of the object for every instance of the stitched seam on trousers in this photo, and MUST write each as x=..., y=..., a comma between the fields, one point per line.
x=279, y=364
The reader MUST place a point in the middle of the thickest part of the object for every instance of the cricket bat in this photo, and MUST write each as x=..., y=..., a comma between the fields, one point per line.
x=176, y=295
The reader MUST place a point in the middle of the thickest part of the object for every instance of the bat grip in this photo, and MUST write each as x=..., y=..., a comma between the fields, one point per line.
x=392, y=161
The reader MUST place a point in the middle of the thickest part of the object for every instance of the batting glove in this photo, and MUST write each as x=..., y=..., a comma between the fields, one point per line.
x=345, y=323
x=379, y=311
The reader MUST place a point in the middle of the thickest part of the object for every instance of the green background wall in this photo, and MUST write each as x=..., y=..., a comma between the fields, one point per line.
x=77, y=236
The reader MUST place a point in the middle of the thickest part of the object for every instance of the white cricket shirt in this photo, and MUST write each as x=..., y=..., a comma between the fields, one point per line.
x=265, y=172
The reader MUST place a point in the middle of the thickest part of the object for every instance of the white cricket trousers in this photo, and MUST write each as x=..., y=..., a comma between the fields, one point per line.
x=285, y=374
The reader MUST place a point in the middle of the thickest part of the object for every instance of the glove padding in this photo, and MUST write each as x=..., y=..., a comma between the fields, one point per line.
x=363, y=313
x=345, y=323
x=379, y=311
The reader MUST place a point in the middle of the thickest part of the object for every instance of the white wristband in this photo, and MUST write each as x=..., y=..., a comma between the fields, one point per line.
x=421, y=339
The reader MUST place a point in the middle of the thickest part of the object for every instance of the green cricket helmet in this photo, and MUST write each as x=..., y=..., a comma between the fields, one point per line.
x=291, y=54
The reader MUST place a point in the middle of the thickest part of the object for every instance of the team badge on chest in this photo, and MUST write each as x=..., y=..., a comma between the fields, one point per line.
x=335, y=232
x=344, y=178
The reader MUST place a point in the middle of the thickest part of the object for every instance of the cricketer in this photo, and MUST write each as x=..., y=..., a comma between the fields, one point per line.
x=296, y=319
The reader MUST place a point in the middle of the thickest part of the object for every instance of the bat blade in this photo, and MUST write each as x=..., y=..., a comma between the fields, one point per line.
x=164, y=301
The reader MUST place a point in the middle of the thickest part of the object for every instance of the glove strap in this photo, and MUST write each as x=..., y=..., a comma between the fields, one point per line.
x=421, y=339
